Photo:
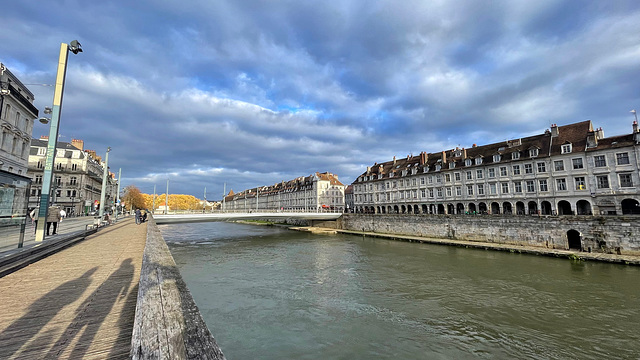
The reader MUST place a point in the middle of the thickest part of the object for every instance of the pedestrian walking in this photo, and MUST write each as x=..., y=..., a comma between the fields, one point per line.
x=138, y=216
x=53, y=217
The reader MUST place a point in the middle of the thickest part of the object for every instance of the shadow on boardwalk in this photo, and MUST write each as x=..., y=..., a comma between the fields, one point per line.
x=92, y=312
x=41, y=312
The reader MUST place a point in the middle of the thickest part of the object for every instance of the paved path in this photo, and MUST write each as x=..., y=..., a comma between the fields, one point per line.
x=75, y=304
x=9, y=236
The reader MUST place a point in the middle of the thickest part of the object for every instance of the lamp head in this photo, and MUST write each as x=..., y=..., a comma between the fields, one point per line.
x=47, y=110
x=44, y=120
x=75, y=47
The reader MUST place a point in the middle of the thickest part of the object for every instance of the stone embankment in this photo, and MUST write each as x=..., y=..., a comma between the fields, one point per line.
x=611, y=239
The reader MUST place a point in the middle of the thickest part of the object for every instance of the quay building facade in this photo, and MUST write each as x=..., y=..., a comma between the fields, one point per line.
x=314, y=193
x=567, y=170
x=77, y=177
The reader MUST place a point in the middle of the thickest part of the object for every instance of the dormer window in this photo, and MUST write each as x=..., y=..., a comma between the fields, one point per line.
x=467, y=162
x=533, y=152
x=496, y=158
x=566, y=148
x=515, y=155
x=42, y=151
x=425, y=169
x=452, y=165
x=478, y=160
x=438, y=167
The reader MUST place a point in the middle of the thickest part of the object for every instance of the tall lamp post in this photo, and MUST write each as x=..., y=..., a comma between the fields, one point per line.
x=75, y=48
x=104, y=184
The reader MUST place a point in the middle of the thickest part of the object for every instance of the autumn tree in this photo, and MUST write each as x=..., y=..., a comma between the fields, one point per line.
x=133, y=198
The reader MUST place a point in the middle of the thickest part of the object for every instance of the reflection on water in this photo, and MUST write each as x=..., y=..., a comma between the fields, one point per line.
x=270, y=293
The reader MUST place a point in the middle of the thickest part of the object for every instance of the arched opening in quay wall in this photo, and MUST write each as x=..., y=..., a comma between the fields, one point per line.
x=574, y=240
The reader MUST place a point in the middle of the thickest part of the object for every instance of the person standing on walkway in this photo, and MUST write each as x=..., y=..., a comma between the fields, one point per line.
x=34, y=218
x=138, y=216
x=53, y=217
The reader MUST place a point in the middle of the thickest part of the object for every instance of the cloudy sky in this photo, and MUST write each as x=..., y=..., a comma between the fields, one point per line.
x=247, y=93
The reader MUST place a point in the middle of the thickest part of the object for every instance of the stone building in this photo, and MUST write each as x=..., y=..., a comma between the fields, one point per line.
x=317, y=192
x=571, y=169
x=17, y=115
x=77, y=177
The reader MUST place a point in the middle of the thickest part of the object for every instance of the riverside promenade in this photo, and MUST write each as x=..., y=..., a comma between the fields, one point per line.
x=78, y=303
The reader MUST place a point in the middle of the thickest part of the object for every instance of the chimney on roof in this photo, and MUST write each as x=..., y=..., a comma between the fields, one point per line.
x=474, y=145
x=380, y=169
x=464, y=153
x=44, y=137
x=600, y=133
x=554, y=130
x=394, y=160
x=78, y=143
x=635, y=126
x=444, y=158
x=368, y=170
x=423, y=158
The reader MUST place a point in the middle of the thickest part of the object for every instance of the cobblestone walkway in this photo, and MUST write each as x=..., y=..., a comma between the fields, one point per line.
x=78, y=303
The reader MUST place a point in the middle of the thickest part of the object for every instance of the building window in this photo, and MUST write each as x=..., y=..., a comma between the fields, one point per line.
x=517, y=186
x=491, y=173
x=42, y=151
x=424, y=193
x=580, y=183
x=577, y=163
x=503, y=171
x=439, y=192
x=478, y=161
x=478, y=174
x=566, y=148
x=505, y=188
x=458, y=191
x=430, y=179
x=559, y=165
x=469, y=190
x=439, y=179
x=625, y=180
x=542, y=167
x=600, y=161
x=447, y=177
x=38, y=179
x=469, y=175
x=431, y=193
x=516, y=169
x=531, y=186
x=457, y=176
x=58, y=180
x=413, y=182
x=480, y=189
x=561, y=184
x=496, y=158
x=515, y=155
x=528, y=169
x=602, y=181
x=422, y=181
x=449, y=192
x=467, y=162
x=622, y=158
x=543, y=185
x=533, y=152
x=452, y=165
x=493, y=189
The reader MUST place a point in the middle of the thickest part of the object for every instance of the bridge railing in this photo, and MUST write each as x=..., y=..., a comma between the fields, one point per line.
x=244, y=211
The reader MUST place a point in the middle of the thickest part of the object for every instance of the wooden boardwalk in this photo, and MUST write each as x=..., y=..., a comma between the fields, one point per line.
x=75, y=304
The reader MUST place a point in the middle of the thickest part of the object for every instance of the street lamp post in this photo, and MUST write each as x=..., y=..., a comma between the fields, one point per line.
x=75, y=48
x=104, y=184
x=635, y=114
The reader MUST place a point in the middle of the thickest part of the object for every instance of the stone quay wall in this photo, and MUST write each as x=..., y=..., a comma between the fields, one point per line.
x=615, y=235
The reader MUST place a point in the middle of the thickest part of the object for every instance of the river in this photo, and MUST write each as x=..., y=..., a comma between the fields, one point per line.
x=272, y=293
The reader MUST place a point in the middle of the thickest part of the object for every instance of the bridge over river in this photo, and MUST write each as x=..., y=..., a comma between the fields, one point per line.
x=231, y=216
